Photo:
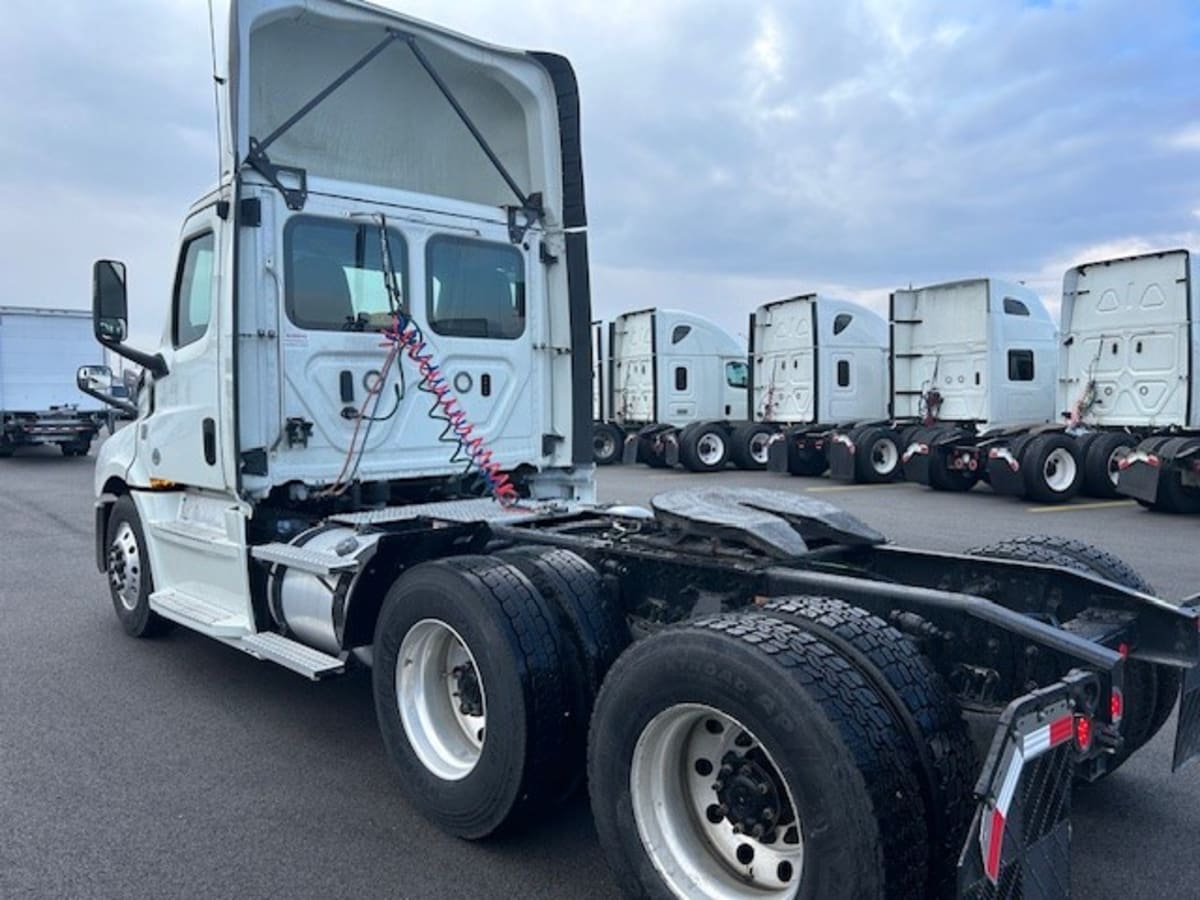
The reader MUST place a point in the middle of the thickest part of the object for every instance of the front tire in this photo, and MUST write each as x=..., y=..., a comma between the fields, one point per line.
x=130, y=581
x=472, y=692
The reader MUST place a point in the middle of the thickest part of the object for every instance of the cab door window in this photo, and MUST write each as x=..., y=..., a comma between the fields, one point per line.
x=475, y=289
x=192, y=307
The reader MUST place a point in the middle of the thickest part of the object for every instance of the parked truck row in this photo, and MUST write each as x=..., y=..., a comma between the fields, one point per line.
x=968, y=381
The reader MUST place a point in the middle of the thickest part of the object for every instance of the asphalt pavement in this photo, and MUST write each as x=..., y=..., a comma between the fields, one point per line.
x=180, y=767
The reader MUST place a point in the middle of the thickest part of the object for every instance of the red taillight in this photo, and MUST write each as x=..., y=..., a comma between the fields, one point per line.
x=1083, y=733
x=1116, y=705
x=1123, y=649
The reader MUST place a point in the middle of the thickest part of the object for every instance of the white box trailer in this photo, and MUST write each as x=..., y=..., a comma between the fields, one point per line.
x=40, y=350
x=1130, y=351
x=664, y=370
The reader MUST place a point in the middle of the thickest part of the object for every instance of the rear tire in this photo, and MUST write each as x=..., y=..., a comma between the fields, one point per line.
x=704, y=447
x=749, y=445
x=876, y=456
x=130, y=580
x=922, y=707
x=809, y=729
x=607, y=443
x=1150, y=690
x=1100, y=458
x=1052, y=469
x=472, y=684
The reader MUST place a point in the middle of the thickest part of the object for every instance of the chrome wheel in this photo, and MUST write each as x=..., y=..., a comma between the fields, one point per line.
x=713, y=813
x=1059, y=470
x=125, y=566
x=604, y=446
x=885, y=456
x=760, y=446
x=1114, y=463
x=710, y=449
x=441, y=699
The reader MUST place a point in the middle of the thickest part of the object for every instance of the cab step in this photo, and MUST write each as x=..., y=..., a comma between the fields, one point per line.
x=314, y=562
x=198, y=614
x=291, y=654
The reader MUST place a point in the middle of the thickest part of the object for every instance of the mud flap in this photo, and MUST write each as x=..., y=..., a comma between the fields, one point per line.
x=1004, y=472
x=1139, y=476
x=1187, y=732
x=916, y=460
x=629, y=454
x=1020, y=840
x=777, y=454
x=842, y=454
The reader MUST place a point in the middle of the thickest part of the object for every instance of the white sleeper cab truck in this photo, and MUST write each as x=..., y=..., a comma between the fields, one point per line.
x=40, y=350
x=668, y=369
x=817, y=364
x=974, y=374
x=365, y=440
x=1130, y=351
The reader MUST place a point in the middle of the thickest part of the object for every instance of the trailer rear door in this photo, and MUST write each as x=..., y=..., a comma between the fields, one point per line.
x=1125, y=327
x=940, y=342
x=784, y=358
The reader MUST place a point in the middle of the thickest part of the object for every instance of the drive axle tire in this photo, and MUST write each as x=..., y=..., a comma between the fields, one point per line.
x=130, y=581
x=740, y=755
x=472, y=685
x=922, y=707
x=1150, y=690
x=1101, y=456
x=1053, y=471
x=704, y=447
x=876, y=455
x=607, y=443
x=749, y=445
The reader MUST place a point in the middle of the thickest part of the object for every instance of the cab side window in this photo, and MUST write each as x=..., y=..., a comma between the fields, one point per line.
x=192, y=307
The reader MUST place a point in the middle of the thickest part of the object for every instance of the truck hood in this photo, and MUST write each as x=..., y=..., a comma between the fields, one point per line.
x=385, y=120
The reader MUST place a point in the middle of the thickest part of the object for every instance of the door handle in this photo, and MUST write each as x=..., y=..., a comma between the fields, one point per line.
x=209, y=429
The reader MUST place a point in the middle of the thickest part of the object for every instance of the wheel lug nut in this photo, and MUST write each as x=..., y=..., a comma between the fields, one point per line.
x=762, y=789
x=727, y=769
x=737, y=829
x=768, y=814
x=757, y=831
x=718, y=786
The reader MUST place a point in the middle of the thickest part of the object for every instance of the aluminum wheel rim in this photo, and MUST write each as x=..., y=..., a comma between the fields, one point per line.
x=684, y=774
x=760, y=447
x=1114, y=463
x=125, y=566
x=710, y=449
x=1059, y=470
x=603, y=445
x=432, y=670
x=885, y=456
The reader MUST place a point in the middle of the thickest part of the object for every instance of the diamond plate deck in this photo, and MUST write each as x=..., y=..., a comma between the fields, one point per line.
x=291, y=655
x=315, y=562
x=462, y=511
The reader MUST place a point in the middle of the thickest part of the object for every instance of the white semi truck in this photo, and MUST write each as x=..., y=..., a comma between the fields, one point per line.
x=365, y=440
x=40, y=349
x=664, y=370
x=974, y=363
x=818, y=364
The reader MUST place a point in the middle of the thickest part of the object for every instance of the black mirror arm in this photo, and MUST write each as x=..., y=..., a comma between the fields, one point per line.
x=152, y=363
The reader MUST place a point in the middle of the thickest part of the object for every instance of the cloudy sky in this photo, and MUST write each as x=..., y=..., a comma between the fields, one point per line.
x=735, y=151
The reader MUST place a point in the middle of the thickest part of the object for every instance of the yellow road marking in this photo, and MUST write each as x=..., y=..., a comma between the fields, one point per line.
x=1073, y=507
x=859, y=487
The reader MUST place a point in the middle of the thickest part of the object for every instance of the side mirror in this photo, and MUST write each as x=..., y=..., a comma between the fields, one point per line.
x=96, y=381
x=110, y=305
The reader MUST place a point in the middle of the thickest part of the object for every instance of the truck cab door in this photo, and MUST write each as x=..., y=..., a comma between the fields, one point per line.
x=178, y=440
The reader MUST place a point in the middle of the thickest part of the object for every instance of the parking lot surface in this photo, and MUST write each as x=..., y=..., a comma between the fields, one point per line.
x=182, y=768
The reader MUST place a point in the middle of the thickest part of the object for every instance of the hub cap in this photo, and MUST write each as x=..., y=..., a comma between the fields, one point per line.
x=713, y=813
x=711, y=449
x=1059, y=470
x=885, y=456
x=125, y=566
x=603, y=445
x=441, y=698
x=1114, y=463
x=760, y=445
